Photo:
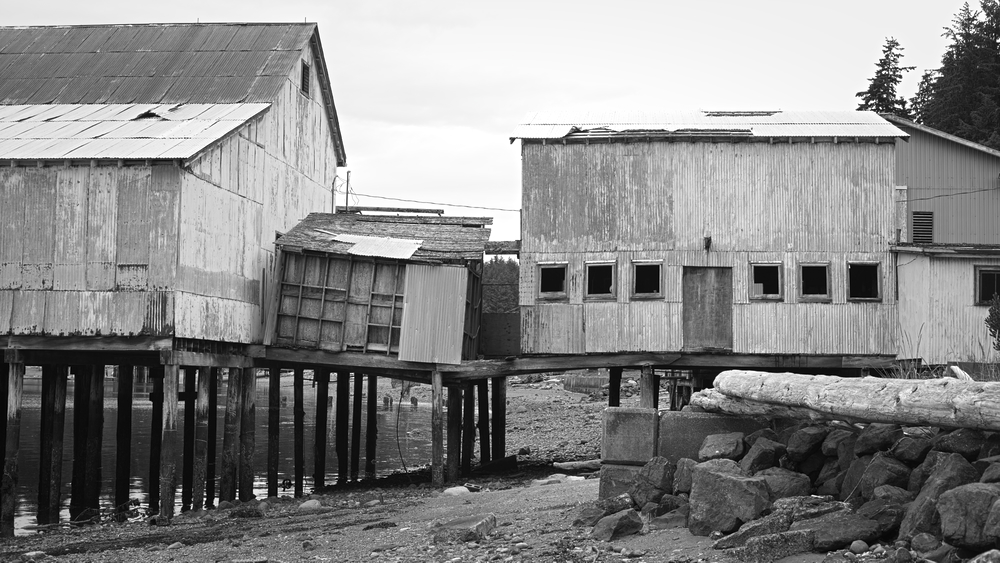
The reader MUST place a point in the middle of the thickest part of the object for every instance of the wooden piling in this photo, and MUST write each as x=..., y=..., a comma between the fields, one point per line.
x=437, y=431
x=468, y=427
x=499, y=402
x=81, y=405
x=170, y=444
x=483, y=394
x=45, y=452
x=123, y=445
x=356, y=426
x=213, y=417
x=4, y=373
x=273, y=422
x=200, y=462
x=248, y=433
x=187, y=475
x=371, y=432
x=322, y=377
x=614, y=387
x=58, y=429
x=454, y=433
x=228, y=475
x=649, y=388
x=343, y=420
x=156, y=373
x=8, y=484
x=95, y=439
x=298, y=429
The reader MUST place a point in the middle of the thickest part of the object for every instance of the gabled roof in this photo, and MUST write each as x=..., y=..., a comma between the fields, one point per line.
x=733, y=124
x=212, y=63
x=906, y=123
x=427, y=239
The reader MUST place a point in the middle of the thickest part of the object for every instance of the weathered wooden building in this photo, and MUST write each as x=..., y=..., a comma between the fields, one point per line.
x=948, y=256
x=711, y=238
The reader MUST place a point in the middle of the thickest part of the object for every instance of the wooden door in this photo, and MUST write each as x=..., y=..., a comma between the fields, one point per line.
x=708, y=308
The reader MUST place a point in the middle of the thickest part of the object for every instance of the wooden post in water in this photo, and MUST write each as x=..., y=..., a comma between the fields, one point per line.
x=81, y=406
x=4, y=373
x=228, y=476
x=58, y=428
x=343, y=421
x=95, y=435
x=187, y=475
x=45, y=452
x=437, y=430
x=499, y=402
x=8, y=484
x=248, y=433
x=213, y=417
x=371, y=432
x=356, y=426
x=615, y=387
x=156, y=373
x=201, y=438
x=322, y=376
x=649, y=388
x=468, y=427
x=298, y=429
x=483, y=394
x=171, y=443
x=123, y=453
x=273, y=425
x=454, y=432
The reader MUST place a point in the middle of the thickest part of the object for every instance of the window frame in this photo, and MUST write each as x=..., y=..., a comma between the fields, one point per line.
x=816, y=298
x=552, y=295
x=646, y=296
x=980, y=270
x=614, y=281
x=878, y=281
x=768, y=297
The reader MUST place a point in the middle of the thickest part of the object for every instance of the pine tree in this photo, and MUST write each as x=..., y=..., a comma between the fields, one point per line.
x=881, y=94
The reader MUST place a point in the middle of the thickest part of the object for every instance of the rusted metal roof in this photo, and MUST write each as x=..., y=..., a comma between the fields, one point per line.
x=735, y=124
x=117, y=131
x=441, y=239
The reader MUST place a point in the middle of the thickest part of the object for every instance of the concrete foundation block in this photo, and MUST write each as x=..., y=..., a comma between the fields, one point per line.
x=630, y=435
x=681, y=433
x=616, y=479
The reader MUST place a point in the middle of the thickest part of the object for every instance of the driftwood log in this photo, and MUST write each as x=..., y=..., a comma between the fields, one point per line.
x=948, y=403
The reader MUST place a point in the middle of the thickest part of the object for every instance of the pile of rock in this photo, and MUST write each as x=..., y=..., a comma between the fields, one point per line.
x=901, y=494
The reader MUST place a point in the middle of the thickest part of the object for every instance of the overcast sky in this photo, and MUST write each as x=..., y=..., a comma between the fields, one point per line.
x=428, y=91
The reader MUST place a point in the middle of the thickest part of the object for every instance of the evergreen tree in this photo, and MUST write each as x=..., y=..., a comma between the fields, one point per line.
x=881, y=94
x=500, y=291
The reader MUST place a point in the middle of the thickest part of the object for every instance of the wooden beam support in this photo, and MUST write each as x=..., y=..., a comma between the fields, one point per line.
x=343, y=420
x=81, y=406
x=91, y=343
x=273, y=428
x=171, y=449
x=45, y=452
x=95, y=442
x=615, y=387
x=156, y=374
x=248, y=432
x=499, y=402
x=468, y=427
x=453, y=469
x=298, y=429
x=201, y=410
x=437, y=431
x=187, y=475
x=356, y=426
x=322, y=376
x=4, y=391
x=483, y=394
x=371, y=431
x=210, y=454
x=229, y=472
x=8, y=483
x=185, y=358
x=649, y=388
x=123, y=445
x=58, y=430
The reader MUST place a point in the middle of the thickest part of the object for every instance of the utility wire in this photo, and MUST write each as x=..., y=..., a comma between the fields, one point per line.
x=435, y=203
x=950, y=195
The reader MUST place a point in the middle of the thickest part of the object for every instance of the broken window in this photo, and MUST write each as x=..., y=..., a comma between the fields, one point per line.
x=814, y=282
x=646, y=279
x=863, y=281
x=765, y=281
x=552, y=280
x=600, y=280
x=987, y=284
x=304, y=85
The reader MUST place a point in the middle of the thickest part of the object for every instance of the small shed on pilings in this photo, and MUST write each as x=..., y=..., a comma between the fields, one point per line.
x=403, y=286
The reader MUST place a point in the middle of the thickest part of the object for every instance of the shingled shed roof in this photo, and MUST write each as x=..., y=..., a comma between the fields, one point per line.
x=216, y=63
x=437, y=239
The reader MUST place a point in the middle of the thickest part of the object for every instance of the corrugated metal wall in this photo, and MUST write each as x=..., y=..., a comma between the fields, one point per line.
x=938, y=318
x=935, y=172
x=433, y=314
x=788, y=203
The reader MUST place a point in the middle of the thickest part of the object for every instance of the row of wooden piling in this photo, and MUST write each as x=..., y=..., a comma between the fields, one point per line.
x=196, y=449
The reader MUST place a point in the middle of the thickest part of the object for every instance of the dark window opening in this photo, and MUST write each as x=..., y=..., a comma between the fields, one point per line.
x=815, y=281
x=988, y=285
x=600, y=280
x=305, y=79
x=923, y=227
x=552, y=279
x=647, y=279
x=862, y=281
x=766, y=281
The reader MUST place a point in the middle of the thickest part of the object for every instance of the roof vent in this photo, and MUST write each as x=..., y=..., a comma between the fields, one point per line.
x=923, y=227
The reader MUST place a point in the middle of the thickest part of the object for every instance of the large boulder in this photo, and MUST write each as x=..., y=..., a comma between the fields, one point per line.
x=877, y=437
x=911, y=450
x=851, y=486
x=722, y=446
x=784, y=483
x=682, y=475
x=777, y=521
x=886, y=513
x=588, y=513
x=654, y=480
x=950, y=471
x=838, y=529
x=771, y=547
x=464, y=529
x=833, y=440
x=919, y=475
x=752, y=438
x=617, y=525
x=883, y=470
x=806, y=441
x=764, y=453
x=722, y=498
x=964, y=441
x=964, y=511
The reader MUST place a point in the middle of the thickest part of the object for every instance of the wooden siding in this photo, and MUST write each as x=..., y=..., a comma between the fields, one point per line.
x=88, y=250
x=938, y=318
x=935, y=171
x=787, y=203
x=434, y=311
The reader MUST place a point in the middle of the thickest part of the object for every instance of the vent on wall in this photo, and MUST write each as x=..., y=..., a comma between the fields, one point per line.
x=923, y=227
x=304, y=83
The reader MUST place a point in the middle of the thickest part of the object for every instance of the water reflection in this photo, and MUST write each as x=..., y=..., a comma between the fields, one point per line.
x=413, y=442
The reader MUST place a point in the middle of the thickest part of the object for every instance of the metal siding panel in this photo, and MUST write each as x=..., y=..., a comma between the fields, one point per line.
x=70, y=258
x=433, y=314
x=28, y=312
x=553, y=329
x=6, y=306
x=212, y=318
x=164, y=213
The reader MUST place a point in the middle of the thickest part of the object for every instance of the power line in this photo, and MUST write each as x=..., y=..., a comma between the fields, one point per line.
x=435, y=203
x=950, y=195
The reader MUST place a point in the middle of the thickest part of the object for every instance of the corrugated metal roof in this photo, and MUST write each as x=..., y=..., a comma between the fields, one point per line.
x=442, y=239
x=382, y=247
x=126, y=131
x=558, y=125
x=903, y=122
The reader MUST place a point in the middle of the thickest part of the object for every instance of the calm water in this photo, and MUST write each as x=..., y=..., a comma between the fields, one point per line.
x=414, y=434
